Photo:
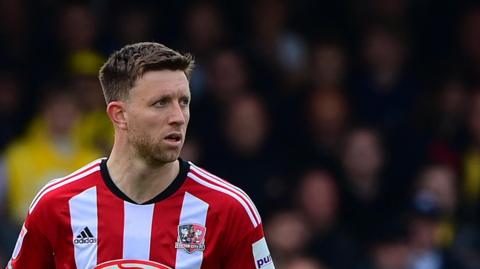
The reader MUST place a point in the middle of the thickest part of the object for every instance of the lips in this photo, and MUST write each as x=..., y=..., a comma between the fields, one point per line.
x=174, y=137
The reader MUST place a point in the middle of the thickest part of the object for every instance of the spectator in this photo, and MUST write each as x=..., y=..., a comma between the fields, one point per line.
x=388, y=248
x=369, y=195
x=228, y=77
x=77, y=34
x=48, y=149
x=288, y=236
x=424, y=225
x=326, y=120
x=384, y=91
x=446, y=122
x=318, y=200
x=441, y=183
x=205, y=33
x=95, y=128
x=329, y=66
x=275, y=48
x=246, y=127
x=471, y=158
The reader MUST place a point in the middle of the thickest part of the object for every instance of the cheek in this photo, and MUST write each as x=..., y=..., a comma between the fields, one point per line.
x=141, y=124
x=186, y=115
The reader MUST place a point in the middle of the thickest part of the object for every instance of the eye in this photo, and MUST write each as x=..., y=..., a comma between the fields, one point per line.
x=185, y=101
x=160, y=103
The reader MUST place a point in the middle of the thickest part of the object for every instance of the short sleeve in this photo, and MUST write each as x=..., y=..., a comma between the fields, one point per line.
x=33, y=249
x=246, y=246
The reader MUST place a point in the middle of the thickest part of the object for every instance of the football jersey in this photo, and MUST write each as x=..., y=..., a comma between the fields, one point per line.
x=199, y=221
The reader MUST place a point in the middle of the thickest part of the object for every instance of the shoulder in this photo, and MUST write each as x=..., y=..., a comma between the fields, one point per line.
x=64, y=187
x=224, y=197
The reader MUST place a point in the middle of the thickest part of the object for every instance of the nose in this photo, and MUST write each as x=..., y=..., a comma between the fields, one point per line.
x=177, y=115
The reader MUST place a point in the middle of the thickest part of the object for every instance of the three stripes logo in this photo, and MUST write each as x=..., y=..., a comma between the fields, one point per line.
x=85, y=237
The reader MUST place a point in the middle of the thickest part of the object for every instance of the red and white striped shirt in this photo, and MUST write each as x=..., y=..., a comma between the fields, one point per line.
x=83, y=220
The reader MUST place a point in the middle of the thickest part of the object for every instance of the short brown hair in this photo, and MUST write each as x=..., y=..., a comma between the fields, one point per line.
x=121, y=70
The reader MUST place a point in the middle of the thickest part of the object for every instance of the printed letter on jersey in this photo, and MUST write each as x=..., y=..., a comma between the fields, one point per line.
x=261, y=254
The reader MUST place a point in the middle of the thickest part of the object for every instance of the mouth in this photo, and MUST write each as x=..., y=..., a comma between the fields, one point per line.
x=173, y=138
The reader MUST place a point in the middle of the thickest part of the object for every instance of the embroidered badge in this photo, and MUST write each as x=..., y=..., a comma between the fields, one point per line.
x=191, y=237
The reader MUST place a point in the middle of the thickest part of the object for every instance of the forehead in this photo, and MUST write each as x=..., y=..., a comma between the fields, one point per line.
x=163, y=82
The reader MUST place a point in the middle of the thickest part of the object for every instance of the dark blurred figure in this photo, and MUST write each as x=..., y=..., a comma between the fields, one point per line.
x=441, y=183
x=445, y=121
x=204, y=29
x=384, y=94
x=388, y=248
x=288, y=236
x=228, y=76
x=12, y=115
x=318, y=200
x=278, y=53
x=15, y=32
x=246, y=148
x=369, y=195
x=328, y=67
x=133, y=23
x=325, y=120
x=326, y=72
x=424, y=243
x=391, y=11
x=205, y=33
x=470, y=43
x=77, y=34
x=95, y=128
x=471, y=159
x=467, y=245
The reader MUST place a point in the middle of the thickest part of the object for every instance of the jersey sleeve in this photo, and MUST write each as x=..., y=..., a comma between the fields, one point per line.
x=246, y=245
x=33, y=249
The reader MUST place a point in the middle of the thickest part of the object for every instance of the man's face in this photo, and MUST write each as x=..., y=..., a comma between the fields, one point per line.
x=157, y=115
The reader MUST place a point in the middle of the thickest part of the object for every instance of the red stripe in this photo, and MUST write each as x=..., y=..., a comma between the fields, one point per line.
x=110, y=211
x=230, y=188
x=165, y=230
x=70, y=248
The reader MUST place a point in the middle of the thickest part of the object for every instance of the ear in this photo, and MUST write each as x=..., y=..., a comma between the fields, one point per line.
x=117, y=114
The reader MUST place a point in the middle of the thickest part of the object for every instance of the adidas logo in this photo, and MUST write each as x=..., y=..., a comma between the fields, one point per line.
x=85, y=237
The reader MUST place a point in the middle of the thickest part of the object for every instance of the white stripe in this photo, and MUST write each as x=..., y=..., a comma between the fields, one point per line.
x=228, y=192
x=52, y=182
x=70, y=180
x=230, y=186
x=194, y=211
x=137, y=231
x=83, y=214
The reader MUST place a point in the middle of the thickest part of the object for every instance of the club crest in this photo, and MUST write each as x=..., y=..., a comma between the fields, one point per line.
x=191, y=237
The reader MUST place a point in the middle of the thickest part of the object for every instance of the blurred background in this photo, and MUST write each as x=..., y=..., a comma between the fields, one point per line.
x=354, y=125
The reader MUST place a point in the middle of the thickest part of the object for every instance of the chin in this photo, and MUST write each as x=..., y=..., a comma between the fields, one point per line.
x=163, y=158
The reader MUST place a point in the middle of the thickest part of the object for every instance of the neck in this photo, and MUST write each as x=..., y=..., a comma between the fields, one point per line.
x=139, y=180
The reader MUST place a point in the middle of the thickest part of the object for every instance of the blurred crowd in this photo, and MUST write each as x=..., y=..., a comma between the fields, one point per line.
x=354, y=125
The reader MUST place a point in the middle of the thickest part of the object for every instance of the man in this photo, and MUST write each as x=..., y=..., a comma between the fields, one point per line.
x=143, y=206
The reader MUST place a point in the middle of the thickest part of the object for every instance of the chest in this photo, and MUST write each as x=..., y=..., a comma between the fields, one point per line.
x=180, y=233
